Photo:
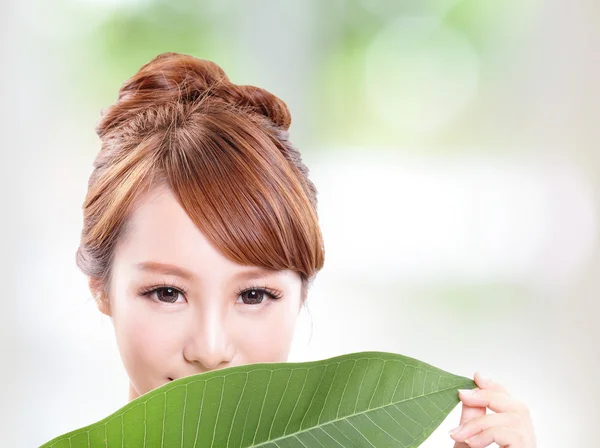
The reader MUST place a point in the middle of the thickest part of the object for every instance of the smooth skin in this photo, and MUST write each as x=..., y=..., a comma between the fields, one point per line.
x=509, y=426
x=213, y=314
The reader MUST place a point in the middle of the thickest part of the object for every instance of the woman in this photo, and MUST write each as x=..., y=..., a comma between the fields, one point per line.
x=201, y=236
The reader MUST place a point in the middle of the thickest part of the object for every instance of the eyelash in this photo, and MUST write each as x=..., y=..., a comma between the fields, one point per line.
x=273, y=294
x=164, y=285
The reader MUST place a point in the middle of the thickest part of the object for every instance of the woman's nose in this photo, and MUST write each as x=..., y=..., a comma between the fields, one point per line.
x=208, y=342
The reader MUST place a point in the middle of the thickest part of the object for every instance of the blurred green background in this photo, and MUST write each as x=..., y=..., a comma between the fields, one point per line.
x=454, y=147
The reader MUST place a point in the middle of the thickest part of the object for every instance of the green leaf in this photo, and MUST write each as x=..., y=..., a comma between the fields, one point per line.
x=367, y=399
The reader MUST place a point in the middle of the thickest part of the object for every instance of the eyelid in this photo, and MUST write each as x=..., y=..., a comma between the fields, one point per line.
x=273, y=294
x=164, y=283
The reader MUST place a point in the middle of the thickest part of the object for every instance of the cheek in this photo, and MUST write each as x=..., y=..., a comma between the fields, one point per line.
x=147, y=345
x=267, y=339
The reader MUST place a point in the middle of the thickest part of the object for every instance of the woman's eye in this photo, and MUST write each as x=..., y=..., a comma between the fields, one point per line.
x=167, y=295
x=253, y=296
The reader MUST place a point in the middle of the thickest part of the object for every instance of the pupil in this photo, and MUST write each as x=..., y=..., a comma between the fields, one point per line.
x=169, y=298
x=254, y=296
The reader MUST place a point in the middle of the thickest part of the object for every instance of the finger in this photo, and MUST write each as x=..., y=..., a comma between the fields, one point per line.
x=480, y=424
x=487, y=383
x=496, y=401
x=469, y=413
x=500, y=435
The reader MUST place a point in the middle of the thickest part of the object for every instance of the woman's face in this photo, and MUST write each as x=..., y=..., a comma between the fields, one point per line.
x=179, y=307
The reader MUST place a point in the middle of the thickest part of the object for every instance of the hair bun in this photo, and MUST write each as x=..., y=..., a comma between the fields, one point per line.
x=264, y=103
x=180, y=78
x=173, y=76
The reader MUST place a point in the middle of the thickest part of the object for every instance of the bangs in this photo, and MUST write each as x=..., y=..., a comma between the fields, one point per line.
x=235, y=184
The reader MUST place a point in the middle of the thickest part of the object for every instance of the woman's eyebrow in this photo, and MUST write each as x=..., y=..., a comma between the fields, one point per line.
x=164, y=268
x=171, y=269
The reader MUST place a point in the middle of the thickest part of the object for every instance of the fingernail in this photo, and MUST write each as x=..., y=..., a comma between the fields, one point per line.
x=455, y=430
x=466, y=391
x=484, y=378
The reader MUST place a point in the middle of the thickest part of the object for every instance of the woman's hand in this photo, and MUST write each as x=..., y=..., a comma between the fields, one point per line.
x=509, y=426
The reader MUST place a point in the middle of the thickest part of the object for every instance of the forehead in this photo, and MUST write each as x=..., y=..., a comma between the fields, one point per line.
x=159, y=230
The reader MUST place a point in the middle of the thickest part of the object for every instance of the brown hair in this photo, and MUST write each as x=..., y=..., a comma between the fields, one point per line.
x=223, y=150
